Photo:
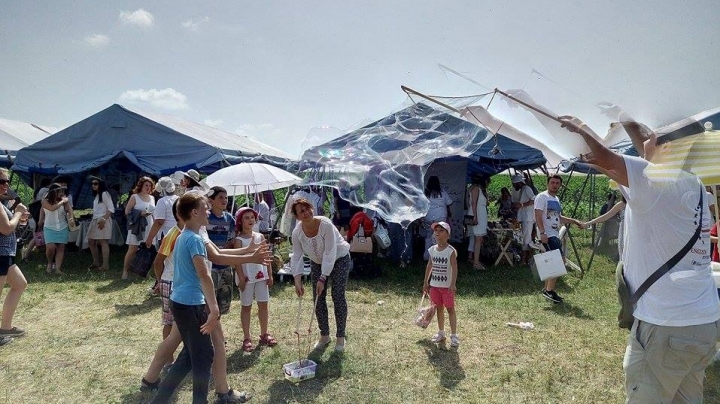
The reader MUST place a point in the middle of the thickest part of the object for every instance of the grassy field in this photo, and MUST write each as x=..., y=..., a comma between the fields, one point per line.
x=91, y=336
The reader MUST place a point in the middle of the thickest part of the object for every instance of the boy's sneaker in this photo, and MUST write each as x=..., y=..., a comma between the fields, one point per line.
x=13, y=332
x=552, y=296
x=5, y=340
x=147, y=386
x=438, y=338
x=233, y=396
x=454, y=341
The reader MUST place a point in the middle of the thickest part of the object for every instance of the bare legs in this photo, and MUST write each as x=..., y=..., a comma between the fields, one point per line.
x=476, y=253
x=98, y=247
x=132, y=250
x=55, y=252
x=17, y=283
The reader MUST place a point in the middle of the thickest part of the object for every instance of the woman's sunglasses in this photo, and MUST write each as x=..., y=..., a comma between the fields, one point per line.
x=95, y=183
x=4, y=181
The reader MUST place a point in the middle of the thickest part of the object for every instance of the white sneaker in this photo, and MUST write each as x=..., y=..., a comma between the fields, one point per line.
x=438, y=338
x=454, y=341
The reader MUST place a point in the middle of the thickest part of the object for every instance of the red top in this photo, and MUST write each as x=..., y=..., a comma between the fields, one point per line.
x=358, y=219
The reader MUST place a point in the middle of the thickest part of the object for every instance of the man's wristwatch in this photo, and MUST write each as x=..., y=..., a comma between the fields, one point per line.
x=543, y=233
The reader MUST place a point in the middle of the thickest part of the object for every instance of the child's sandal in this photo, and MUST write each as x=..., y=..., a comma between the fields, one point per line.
x=268, y=340
x=247, y=345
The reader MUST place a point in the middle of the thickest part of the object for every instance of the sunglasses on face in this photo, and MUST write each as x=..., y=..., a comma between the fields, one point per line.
x=4, y=181
x=95, y=183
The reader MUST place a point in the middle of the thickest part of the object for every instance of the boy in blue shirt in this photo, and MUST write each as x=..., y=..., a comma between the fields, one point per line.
x=193, y=303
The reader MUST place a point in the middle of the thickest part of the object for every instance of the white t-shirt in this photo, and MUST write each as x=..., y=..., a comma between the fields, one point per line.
x=660, y=217
x=524, y=195
x=441, y=273
x=163, y=211
x=552, y=210
x=263, y=211
x=253, y=272
x=437, y=207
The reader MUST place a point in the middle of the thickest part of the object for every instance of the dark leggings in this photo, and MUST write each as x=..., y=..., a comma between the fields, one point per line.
x=337, y=281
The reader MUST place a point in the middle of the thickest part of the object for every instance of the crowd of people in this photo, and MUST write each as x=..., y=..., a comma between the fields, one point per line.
x=205, y=252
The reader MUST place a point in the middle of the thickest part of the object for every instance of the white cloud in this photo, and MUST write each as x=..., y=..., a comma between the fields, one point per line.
x=215, y=123
x=97, y=41
x=166, y=98
x=193, y=25
x=139, y=18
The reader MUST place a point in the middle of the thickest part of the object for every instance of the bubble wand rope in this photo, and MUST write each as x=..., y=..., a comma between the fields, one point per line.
x=312, y=317
x=297, y=327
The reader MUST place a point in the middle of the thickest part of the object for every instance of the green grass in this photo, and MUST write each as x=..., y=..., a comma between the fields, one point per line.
x=91, y=337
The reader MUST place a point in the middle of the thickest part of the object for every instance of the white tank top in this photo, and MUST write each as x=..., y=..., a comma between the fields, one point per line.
x=441, y=273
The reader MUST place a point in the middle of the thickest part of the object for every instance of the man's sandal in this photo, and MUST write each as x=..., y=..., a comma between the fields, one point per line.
x=247, y=345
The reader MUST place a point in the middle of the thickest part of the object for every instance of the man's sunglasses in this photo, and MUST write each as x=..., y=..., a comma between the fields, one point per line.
x=4, y=182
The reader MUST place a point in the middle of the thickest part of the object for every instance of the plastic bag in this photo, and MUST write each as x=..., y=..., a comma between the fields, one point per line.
x=382, y=236
x=425, y=314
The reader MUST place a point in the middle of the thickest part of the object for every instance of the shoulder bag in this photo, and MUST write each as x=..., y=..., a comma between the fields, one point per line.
x=628, y=301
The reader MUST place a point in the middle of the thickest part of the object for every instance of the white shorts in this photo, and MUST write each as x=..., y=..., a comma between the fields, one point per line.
x=258, y=291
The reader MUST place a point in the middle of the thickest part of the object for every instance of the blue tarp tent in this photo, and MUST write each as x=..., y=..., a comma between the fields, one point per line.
x=383, y=165
x=119, y=143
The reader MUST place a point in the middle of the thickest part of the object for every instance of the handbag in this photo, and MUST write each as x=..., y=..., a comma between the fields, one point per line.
x=39, y=238
x=627, y=301
x=382, y=236
x=424, y=314
x=549, y=264
x=468, y=220
x=143, y=260
x=360, y=243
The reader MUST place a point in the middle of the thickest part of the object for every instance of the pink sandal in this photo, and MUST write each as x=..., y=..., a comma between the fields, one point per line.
x=247, y=345
x=268, y=340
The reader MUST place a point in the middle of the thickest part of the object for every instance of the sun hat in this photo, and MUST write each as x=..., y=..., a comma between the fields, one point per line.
x=241, y=211
x=518, y=178
x=192, y=174
x=444, y=225
x=165, y=185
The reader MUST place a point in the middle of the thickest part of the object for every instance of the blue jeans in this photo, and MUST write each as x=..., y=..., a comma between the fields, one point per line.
x=554, y=243
x=196, y=355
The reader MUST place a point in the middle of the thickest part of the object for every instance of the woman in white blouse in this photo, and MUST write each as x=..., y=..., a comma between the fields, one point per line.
x=100, y=229
x=329, y=254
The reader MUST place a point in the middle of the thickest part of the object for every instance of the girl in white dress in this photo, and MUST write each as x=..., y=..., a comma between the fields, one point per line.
x=141, y=200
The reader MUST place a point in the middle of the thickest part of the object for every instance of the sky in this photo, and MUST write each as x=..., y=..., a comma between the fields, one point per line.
x=289, y=73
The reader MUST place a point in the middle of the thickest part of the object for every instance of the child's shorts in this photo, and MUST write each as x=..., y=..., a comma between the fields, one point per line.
x=223, y=280
x=442, y=297
x=167, y=316
x=257, y=290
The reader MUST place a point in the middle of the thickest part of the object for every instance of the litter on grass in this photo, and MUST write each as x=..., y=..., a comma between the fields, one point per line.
x=522, y=325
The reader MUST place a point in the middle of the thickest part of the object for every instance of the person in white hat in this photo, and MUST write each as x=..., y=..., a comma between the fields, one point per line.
x=163, y=219
x=523, y=199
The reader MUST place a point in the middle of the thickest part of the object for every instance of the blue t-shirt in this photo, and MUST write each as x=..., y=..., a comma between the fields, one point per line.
x=220, y=230
x=186, y=284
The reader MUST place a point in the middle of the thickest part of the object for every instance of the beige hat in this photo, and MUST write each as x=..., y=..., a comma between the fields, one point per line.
x=192, y=174
x=518, y=178
x=165, y=185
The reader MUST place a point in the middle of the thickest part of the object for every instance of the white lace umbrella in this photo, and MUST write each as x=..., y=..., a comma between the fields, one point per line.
x=245, y=178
